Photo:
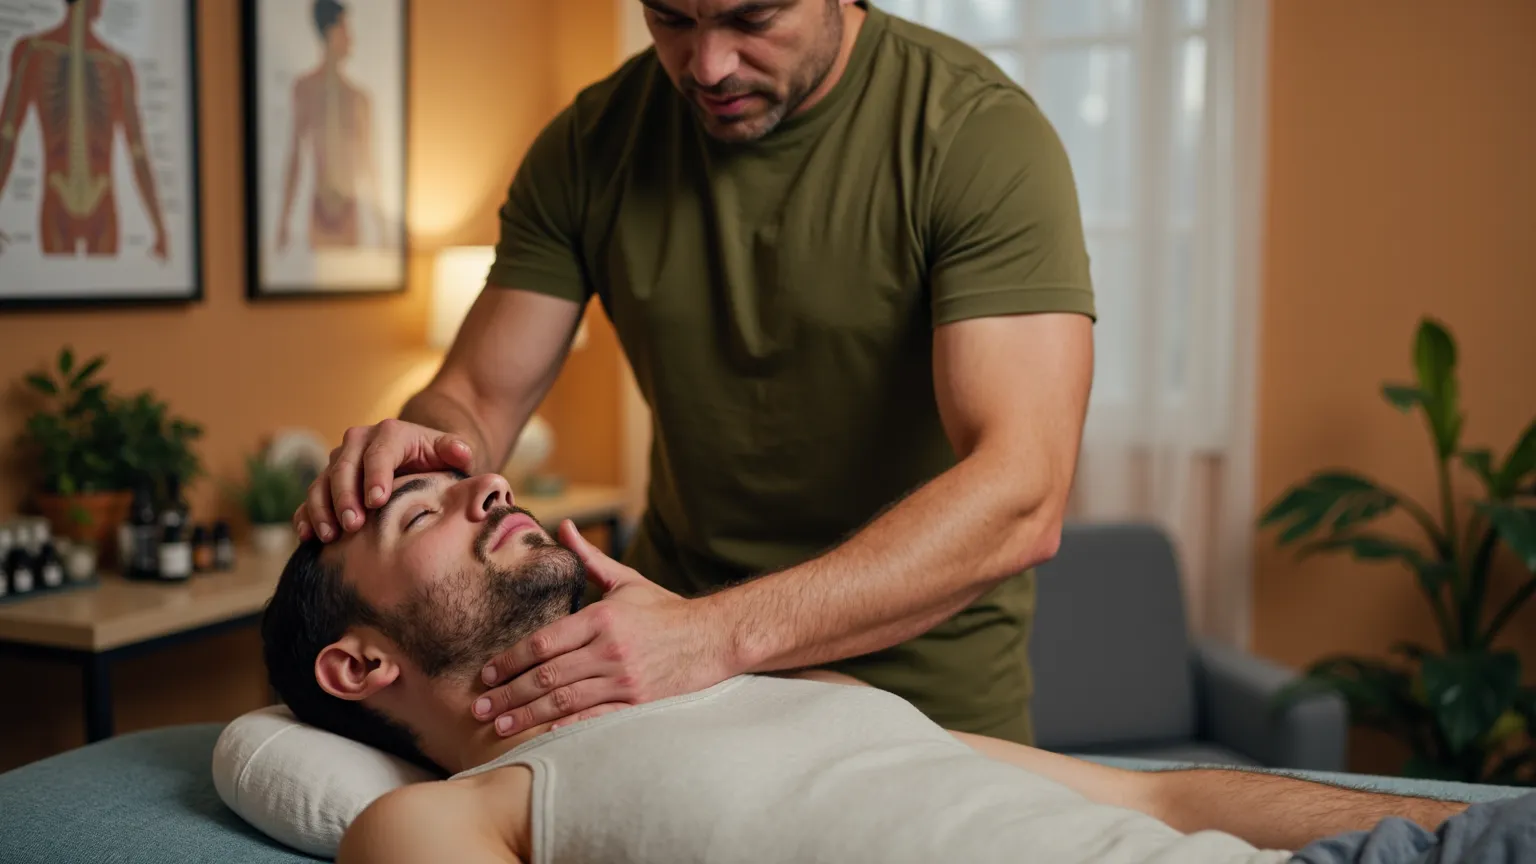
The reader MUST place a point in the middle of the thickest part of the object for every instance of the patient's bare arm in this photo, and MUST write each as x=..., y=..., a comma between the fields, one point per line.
x=1274, y=812
x=425, y=822
x=1268, y=811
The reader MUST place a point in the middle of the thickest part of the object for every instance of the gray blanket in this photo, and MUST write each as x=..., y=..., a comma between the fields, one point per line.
x=1496, y=832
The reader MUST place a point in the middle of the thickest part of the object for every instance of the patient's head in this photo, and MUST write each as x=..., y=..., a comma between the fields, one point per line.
x=406, y=611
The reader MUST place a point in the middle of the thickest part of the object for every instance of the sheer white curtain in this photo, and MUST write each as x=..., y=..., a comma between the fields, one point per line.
x=1159, y=103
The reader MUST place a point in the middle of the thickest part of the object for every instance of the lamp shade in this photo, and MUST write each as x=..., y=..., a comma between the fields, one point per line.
x=458, y=276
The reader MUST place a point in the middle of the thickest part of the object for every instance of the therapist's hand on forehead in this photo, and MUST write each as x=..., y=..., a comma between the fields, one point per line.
x=363, y=469
x=638, y=644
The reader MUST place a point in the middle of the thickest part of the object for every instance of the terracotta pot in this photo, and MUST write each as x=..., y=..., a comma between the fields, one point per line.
x=107, y=509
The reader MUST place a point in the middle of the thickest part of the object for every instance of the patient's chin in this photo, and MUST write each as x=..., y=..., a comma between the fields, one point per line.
x=452, y=626
x=537, y=592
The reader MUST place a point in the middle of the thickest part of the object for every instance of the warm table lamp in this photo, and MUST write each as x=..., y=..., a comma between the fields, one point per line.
x=458, y=275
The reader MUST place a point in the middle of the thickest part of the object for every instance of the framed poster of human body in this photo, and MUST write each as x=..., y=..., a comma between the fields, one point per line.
x=325, y=109
x=98, y=152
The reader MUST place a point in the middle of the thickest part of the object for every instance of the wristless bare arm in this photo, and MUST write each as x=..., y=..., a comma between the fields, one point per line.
x=506, y=357
x=1266, y=810
x=429, y=822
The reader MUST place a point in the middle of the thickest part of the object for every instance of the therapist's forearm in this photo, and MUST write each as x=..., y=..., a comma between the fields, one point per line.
x=919, y=563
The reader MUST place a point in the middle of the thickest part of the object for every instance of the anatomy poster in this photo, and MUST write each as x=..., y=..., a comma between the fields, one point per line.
x=98, y=152
x=326, y=100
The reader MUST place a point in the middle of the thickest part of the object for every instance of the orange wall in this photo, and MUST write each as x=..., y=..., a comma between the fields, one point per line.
x=1402, y=183
x=484, y=79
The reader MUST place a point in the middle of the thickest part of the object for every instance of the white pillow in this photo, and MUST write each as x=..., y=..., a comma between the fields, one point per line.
x=299, y=784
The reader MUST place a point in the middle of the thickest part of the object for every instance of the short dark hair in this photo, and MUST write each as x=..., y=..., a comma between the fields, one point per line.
x=327, y=13
x=312, y=607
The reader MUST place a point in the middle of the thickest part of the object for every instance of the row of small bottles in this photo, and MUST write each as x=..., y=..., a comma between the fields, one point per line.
x=29, y=560
x=162, y=545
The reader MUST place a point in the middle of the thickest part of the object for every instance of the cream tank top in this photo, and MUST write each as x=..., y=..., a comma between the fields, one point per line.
x=762, y=769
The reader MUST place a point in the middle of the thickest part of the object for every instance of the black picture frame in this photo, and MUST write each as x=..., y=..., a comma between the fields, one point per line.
x=22, y=278
x=264, y=78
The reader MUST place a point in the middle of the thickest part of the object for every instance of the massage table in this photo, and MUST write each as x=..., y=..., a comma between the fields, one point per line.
x=149, y=798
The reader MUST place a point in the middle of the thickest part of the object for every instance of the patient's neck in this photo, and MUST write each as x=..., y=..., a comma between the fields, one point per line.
x=448, y=731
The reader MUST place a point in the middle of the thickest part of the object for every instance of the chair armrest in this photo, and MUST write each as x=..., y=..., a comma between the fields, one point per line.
x=1235, y=692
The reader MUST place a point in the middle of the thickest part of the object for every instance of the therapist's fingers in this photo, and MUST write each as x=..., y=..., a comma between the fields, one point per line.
x=602, y=571
x=316, y=511
x=562, y=637
x=455, y=453
x=559, y=704
x=541, y=680
x=346, y=478
x=398, y=447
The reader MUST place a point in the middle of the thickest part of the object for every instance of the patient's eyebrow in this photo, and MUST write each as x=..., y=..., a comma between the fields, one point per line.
x=415, y=484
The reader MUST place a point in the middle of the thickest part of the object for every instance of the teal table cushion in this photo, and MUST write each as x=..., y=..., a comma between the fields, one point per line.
x=134, y=799
x=149, y=797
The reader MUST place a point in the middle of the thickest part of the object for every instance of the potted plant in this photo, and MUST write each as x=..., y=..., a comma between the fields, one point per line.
x=72, y=437
x=93, y=448
x=271, y=494
x=1460, y=706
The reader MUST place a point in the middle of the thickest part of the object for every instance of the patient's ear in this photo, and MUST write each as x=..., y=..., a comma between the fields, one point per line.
x=353, y=668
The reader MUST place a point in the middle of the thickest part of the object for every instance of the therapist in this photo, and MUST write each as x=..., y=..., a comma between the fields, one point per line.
x=844, y=257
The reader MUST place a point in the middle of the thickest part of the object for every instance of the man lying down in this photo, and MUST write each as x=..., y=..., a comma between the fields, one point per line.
x=380, y=637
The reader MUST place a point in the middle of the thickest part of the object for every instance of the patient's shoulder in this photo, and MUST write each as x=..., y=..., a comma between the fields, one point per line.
x=479, y=819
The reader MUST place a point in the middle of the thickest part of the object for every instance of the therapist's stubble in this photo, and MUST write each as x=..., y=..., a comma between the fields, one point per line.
x=780, y=69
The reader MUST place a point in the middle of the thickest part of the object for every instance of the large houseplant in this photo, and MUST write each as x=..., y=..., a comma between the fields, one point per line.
x=1460, y=707
x=93, y=448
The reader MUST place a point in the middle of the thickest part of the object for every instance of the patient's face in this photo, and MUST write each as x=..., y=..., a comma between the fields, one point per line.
x=457, y=572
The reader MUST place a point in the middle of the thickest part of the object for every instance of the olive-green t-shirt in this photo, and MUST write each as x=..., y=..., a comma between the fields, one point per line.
x=777, y=301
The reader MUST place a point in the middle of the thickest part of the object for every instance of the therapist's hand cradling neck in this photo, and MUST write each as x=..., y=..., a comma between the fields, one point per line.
x=638, y=644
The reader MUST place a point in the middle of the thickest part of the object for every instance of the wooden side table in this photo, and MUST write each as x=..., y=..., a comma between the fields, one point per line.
x=94, y=626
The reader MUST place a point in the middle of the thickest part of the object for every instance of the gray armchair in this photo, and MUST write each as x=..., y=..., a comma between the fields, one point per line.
x=1117, y=673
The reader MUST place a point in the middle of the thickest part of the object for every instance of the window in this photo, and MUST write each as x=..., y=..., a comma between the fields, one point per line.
x=1126, y=85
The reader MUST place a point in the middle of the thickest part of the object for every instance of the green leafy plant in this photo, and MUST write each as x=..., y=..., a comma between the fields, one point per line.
x=73, y=433
x=1461, y=709
x=155, y=443
x=271, y=493
x=88, y=439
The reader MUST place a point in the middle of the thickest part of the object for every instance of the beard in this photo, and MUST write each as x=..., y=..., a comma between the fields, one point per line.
x=453, y=625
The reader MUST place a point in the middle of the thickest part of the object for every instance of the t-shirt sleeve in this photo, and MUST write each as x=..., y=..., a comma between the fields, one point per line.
x=539, y=244
x=1006, y=228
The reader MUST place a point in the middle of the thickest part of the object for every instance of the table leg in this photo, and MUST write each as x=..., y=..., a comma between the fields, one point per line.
x=98, y=697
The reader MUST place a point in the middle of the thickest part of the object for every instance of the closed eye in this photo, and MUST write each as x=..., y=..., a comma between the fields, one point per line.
x=415, y=519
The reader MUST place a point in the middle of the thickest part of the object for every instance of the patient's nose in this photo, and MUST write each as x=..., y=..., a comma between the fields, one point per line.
x=488, y=493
